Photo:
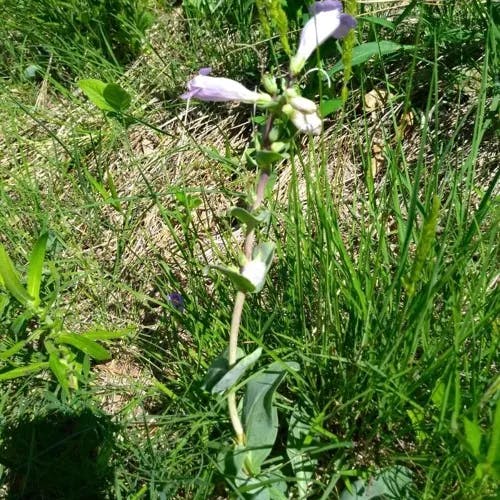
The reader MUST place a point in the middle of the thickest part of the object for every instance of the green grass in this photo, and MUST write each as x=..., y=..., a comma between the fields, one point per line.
x=386, y=299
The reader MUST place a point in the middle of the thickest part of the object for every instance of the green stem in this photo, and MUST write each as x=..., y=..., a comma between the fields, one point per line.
x=240, y=301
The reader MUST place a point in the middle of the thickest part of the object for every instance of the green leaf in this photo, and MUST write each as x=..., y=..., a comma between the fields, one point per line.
x=59, y=370
x=265, y=158
x=260, y=417
x=94, y=90
x=393, y=482
x=302, y=464
x=251, y=220
x=269, y=485
x=22, y=371
x=329, y=106
x=380, y=21
x=11, y=279
x=35, y=268
x=218, y=368
x=365, y=51
x=93, y=349
x=493, y=455
x=13, y=350
x=118, y=98
x=231, y=377
x=99, y=334
x=240, y=282
x=473, y=436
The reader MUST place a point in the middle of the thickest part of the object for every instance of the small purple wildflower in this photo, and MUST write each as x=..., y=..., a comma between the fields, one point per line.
x=177, y=301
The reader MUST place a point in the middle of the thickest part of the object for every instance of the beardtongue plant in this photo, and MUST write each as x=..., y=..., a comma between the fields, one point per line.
x=286, y=112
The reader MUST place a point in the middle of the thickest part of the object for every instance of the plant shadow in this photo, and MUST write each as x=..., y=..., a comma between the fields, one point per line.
x=60, y=455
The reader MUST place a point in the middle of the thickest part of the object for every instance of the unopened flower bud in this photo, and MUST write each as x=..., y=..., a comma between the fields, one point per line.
x=278, y=147
x=269, y=83
x=274, y=134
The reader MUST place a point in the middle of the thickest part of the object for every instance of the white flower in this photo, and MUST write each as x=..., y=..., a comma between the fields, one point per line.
x=304, y=114
x=255, y=272
x=327, y=21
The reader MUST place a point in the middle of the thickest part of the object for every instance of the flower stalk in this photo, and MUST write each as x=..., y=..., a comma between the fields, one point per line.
x=284, y=105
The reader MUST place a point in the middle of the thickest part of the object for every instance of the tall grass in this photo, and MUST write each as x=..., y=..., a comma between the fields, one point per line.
x=383, y=289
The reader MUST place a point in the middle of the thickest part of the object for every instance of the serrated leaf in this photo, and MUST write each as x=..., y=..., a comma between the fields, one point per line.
x=118, y=98
x=11, y=279
x=35, y=268
x=22, y=371
x=231, y=377
x=87, y=346
x=260, y=417
x=94, y=90
x=365, y=51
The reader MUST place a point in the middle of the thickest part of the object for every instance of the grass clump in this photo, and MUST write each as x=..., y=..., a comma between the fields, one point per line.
x=71, y=38
x=384, y=289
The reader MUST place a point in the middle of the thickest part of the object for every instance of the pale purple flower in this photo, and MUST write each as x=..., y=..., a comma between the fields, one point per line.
x=327, y=21
x=217, y=89
x=177, y=300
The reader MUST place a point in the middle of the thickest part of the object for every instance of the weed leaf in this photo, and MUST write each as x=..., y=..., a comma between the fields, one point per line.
x=23, y=371
x=34, y=277
x=93, y=349
x=11, y=279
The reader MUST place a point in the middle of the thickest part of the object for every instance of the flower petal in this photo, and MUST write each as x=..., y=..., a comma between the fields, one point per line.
x=328, y=20
x=324, y=6
x=216, y=89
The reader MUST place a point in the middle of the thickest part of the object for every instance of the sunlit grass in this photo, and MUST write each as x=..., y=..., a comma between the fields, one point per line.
x=386, y=298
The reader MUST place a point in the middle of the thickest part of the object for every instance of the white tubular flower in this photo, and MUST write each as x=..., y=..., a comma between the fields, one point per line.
x=210, y=88
x=327, y=21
